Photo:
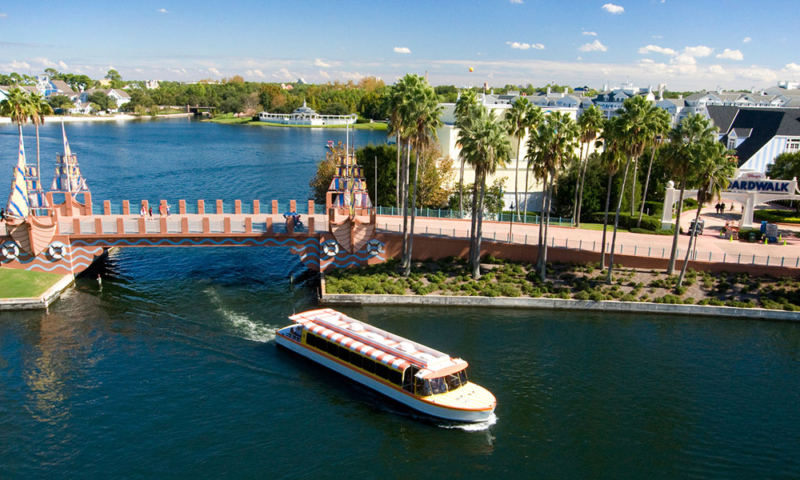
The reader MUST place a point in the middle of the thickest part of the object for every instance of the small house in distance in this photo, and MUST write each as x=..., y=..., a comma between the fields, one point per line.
x=307, y=116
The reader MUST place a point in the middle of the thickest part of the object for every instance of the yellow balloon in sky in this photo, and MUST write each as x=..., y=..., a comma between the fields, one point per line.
x=471, y=69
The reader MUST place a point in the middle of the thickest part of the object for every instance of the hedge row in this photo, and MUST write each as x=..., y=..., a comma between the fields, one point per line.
x=777, y=216
x=649, y=223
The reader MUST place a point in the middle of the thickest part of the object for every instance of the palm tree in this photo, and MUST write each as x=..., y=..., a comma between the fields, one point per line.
x=400, y=98
x=485, y=146
x=516, y=125
x=659, y=125
x=712, y=167
x=633, y=122
x=590, y=122
x=532, y=121
x=395, y=101
x=467, y=108
x=423, y=113
x=554, y=145
x=17, y=106
x=39, y=108
x=692, y=129
x=612, y=158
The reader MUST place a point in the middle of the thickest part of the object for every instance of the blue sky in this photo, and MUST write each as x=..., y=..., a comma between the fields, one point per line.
x=687, y=45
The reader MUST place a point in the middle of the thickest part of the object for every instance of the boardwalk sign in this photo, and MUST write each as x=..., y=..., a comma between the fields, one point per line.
x=761, y=185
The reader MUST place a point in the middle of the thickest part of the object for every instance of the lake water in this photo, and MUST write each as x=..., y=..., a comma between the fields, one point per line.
x=171, y=370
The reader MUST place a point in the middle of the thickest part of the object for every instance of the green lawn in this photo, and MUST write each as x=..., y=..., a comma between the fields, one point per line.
x=23, y=283
x=599, y=226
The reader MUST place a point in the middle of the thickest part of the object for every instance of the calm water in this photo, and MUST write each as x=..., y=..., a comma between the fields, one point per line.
x=171, y=369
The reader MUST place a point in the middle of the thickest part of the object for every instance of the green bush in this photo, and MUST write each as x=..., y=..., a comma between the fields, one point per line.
x=777, y=216
x=649, y=223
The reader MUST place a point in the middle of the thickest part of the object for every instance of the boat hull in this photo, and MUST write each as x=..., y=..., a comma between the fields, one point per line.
x=455, y=415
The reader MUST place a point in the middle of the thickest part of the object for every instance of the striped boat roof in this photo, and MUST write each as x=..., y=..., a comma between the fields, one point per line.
x=388, y=348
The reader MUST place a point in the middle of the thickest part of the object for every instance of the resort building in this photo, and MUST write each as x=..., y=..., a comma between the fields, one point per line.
x=307, y=116
x=758, y=135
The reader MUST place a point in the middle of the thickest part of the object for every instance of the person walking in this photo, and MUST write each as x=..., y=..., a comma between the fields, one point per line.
x=151, y=213
x=168, y=209
x=142, y=212
x=161, y=209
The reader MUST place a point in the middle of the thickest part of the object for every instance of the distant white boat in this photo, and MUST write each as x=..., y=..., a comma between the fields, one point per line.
x=307, y=116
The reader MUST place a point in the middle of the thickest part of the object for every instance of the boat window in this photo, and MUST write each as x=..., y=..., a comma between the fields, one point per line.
x=423, y=387
x=395, y=376
x=462, y=375
x=438, y=385
x=311, y=339
x=356, y=359
x=332, y=348
x=344, y=354
x=453, y=382
x=382, y=370
x=369, y=365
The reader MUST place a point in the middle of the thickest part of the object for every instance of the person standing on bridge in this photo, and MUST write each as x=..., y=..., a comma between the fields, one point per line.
x=161, y=209
x=168, y=209
x=151, y=213
x=142, y=212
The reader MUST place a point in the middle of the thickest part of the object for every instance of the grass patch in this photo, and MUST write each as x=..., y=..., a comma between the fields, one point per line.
x=599, y=226
x=23, y=283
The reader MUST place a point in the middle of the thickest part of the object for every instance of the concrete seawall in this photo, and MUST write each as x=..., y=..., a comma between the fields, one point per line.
x=558, y=304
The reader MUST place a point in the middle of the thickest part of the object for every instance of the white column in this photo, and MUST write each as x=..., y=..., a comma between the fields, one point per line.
x=747, y=216
x=669, y=201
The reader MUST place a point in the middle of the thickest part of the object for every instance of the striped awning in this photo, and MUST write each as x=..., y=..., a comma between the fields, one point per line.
x=354, y=345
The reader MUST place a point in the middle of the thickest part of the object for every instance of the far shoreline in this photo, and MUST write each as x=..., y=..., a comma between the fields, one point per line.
x=100, y=118
x=228, y=120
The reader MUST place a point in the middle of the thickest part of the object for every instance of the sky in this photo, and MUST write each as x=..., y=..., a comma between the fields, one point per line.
x=687, y=45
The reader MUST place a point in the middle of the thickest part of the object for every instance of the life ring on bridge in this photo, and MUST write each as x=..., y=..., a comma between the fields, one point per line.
x=10, y=250
x=57, y=250
x=330, y=248
x=374, y=247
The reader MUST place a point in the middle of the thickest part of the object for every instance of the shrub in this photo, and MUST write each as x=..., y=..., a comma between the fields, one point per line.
x=582, y=295
x=679, y=291
x=508, y=290
x=596, y=296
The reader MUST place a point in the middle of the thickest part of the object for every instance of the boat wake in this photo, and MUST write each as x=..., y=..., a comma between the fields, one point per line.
x=472, y=427
x=243, y=325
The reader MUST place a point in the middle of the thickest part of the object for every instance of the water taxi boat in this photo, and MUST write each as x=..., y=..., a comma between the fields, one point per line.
x=417, y=376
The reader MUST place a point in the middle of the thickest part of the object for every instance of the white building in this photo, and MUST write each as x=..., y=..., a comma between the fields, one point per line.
x=307, y=116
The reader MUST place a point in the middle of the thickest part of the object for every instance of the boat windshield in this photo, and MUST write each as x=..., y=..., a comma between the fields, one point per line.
x=445, y=384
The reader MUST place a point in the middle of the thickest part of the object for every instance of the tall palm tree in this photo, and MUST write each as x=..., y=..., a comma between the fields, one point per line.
x=554, y=145
x=395, y=128
x=611, y=139
x=467, y=108
x=516, y=125
x=17, y=106
x=532, y=121
x=485, y=146
x=401, y=96
x=633, y=121
x=423, y=113
x=659, y=126
x=692, y=129
x=39, y=108
x=712, y=166
x=590, y=122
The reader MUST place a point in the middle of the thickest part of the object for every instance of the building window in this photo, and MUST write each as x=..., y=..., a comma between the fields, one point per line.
x=793, y=145
x=731, y=143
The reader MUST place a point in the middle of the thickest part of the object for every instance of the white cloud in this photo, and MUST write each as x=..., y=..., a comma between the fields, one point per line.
x=717, y=70
x=755, y=72
x=319, y=63
x=698, y=51
x=517, y=1
x=162, y=10
x=747, y=40
x=729, y=54
x=45, y=62
x=283, y=73
x=214, y=71
x=138, y=70
x=683, y=59
x=595, y=46
x=15, y=65
x=255, y=73
x=646, y=61
x=351, y=75
x=324, y=74
x=657, y=49
x=579, y=59
x=401, y=50
x=658, y=36
x=615, y=9
x=63, y=65
x=792, y=68
x=3, y=15
x=593, y=34
x=525, y=46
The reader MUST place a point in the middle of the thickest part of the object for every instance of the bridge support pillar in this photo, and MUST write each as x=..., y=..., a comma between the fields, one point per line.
x=201, y=207
x=162, y=225
x=126, y=207
x=310, y=225
x=76, y=226
x=184, y=225
x=269, y=225
x=163, y=206
x=310, y=207
x=106, y=207
x=226, y=225
x=206, y=225
x=292, y=205
x=237, y=207
x=98, y=226
x=120, y=226
x=219, y=207
x=274, y=207
x=182, y=207
x=248, y=225
x=256, y=207
x=142, y=228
